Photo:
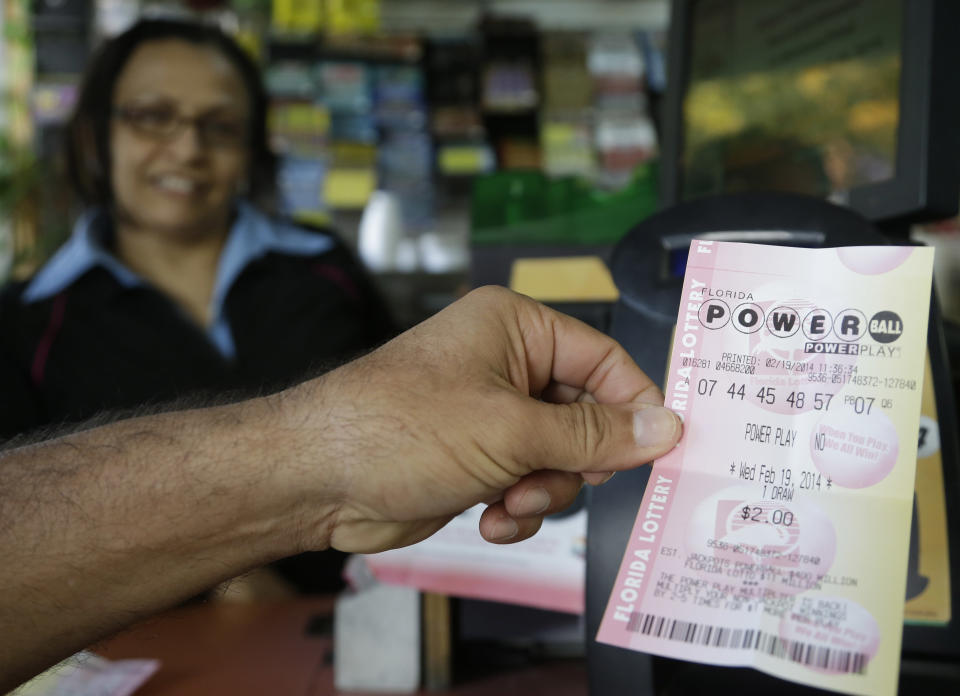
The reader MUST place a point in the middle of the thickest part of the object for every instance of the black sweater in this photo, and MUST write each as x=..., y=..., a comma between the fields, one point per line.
x=98, y=346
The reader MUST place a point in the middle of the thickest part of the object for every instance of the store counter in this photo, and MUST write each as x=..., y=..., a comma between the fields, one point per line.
x=284, y=648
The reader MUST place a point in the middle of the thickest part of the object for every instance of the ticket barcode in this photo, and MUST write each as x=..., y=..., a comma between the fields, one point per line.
x=807, y=654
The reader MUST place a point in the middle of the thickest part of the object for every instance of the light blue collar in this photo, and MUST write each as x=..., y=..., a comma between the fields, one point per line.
x=252, y=236
x=84, y=250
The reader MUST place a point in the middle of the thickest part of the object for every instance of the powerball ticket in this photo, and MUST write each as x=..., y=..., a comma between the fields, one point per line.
x=775, y=535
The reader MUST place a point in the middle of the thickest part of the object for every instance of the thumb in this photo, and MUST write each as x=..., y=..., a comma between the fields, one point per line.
x=585, y=437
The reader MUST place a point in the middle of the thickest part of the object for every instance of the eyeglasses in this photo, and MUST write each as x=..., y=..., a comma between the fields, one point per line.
x=163, y=122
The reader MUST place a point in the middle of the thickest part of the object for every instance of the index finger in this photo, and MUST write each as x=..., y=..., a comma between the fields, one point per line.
x=561, y=350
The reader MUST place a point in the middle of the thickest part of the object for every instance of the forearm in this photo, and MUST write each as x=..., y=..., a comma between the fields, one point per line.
x=100, y=528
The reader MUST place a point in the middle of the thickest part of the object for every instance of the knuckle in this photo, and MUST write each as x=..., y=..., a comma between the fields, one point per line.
x=491, y=293
x=589, y=428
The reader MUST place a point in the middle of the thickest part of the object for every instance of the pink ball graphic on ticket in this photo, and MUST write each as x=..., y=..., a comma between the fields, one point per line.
x=854, y=449
x=845, y=634
x=748, y=542
x=880, y=260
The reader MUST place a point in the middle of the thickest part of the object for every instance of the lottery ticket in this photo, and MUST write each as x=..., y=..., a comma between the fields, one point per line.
x=775, y=535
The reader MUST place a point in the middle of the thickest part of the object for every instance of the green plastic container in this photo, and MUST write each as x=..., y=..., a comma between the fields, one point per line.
x=529, y=208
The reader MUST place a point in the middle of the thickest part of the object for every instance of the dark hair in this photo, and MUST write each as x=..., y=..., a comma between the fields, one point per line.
x=88, y=132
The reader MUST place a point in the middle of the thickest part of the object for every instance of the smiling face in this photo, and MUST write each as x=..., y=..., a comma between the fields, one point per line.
x=178, y=145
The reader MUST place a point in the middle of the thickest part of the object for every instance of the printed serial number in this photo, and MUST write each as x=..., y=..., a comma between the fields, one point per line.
x=884, y=382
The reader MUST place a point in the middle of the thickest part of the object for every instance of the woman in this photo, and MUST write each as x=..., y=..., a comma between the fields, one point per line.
x=173, y=282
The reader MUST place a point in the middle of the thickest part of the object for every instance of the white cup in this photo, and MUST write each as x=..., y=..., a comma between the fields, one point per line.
x=381, y=229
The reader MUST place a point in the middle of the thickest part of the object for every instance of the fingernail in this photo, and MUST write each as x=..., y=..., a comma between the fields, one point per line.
x=504, y=529
x=654, y=426
x=533, y=502
x=598, y=479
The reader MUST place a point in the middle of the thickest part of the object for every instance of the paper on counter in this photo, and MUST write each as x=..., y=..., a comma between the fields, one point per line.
x=545, y=571
x=87, y=674
x=565, y=279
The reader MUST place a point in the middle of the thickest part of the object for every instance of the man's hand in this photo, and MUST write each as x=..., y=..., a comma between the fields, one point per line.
x=498, y=400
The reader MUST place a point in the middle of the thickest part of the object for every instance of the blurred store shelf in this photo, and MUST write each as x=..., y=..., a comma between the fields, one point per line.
x=462, y=15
